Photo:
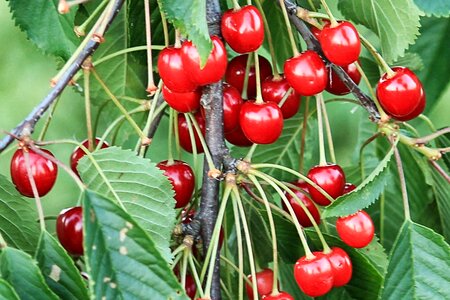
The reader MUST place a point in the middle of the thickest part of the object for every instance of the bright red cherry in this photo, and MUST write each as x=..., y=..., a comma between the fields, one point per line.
x=69, y=228
x=400, y=94
x=216, y=63
x=279, y=296
x=182, y=179
x=330, y=178
x=235, y=74
x=171, y=69
x=416, y=112
x=238, y=138
x=78, y=153
x=232, y=102
x=356, y=230
x=261, y=123
x=340, y=44
x=274, y=89
x=306, y=73
x=335, y=84
x=182, y=102
x=342, y=266
x=243, y=28
x=43, y=170
x=299, y=212
x=264, y=282
x=314, y=276
x=348, y=187
x=183, y=132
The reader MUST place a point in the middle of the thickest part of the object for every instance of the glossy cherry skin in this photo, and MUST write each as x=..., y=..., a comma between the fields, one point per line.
x=299, y=212
x=274, y=89
x=348, y=187
x=44, y=172
x=238, y=138
x=182, y=179
x=171, y=69
x=401, y=94
x=314, y=276
x=216, y=63
x=340, y=44
x=416, y=112
x=78, y=153
x=235, y=74
x=306, y=73
x=330, y=178
x=183, y=132
x=69, y=228
x=182, y=102
x=190, y=287
x=342, y=266
x=336, y=86
x=356, y=230
x=243, y=29
x=279, y=296
x=262, y=123
x=232, y=102
x=264, y=282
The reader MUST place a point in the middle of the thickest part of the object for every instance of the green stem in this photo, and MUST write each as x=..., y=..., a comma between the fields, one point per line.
x=401, y=176
x=169, y=138
x=240, y=252
x=289, y=28
x=250, y=152
x=34, y=189
x=328, y=130
x=236, y=5
x=164, y=25
x=237, y=269
x=303, y=138
x=380, y=60
x=244, y=93
x=81, y=30
x=48, y=120
x=428, y=122
x=259, y=98
x=333, y=21
x=322, y=156
x=151, y=87
x=193, y=143
x=194, y=272
x=285, y=96
x=203, y=142
x=87, y=107
x=125, y=51
x=382, y=216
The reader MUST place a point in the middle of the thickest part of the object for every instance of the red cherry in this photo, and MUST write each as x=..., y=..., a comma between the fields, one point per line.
x=306, y=73
x=243, y=29
x=279, y=296
x=235, y=74
x=416, y=112
x=356, y=230
x=340, y=44
x=330, y=178
x=261, y=123
x=232, y=103
x=316, y=32
x=215, y=66
x=401, y=94
x=314, y=276
x=342, y=266
x=69, y=228
x=190, y=287
x=238, y=138
x=348, y=187
x=182, y=179
x=264, y=282
x=335, y=84
x=78, y=153
x=299, y=212
x=171, y=69
x=44, y=172
x=182, y=102
x=183, y=132
x=274, y=89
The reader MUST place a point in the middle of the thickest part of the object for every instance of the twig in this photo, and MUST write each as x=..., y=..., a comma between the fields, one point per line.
x=440, y=170
x=426, y=139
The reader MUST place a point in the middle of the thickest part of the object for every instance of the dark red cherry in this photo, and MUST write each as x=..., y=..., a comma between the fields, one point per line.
x=262, y=123
x=190, y=287
x=279, y=296
x=264, y=282
x=340, y=44
x=235, y=74
x=43, y=170
x=299, y=212
x=243, y=29
x=314, y=276
x=182, y=179
x=238, y=138
x=356, y=230
x=416, y=112
x=330, y=178
x=78, y=153
x=182, y=102
x=69, y=228
x=172, y=71
x=232, y=102
x=342, y=266
x=348, y=187
x=183, y=132
x=274, y=89
x=306, y=73
x=216, y=63
x=335, y=84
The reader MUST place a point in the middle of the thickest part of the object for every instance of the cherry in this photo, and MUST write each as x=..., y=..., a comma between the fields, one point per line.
x=182, y=179
x=243, y=29
x=330, y=178
x=306, y=73
x=238, y=138
x=182, y=102
x=356, y=230
x=232, y=103
x=335, y=84
x=261, y=123
x=340, y=44
x=264, y=282
x=279, y=296
x=416, y=112
x=216, y=63
x=314, y=276
x=183, y=132
x=78, y=153
x=69, y=228
x=43, y=170
x=235, y=74
x=274, y=89
x=190, y=287
x=299, y=212
x=400, y=94
x=171, y=69
x=342, y=266
x=348, y=187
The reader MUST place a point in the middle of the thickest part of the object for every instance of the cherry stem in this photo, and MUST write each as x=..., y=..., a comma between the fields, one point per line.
x=183, y=271
x=179, y=249
x=401, y=176
x=164, y=25
x=426, y=139
x=259, y=99
x=87, y=104
x=243, y=277
x=193, y=143
x=250, y=152
x=380, y=60
x=169, y=138
x=236, y=5
x=322, y=156
x=328, y=130
x=361, y=150
x=333, y=21
x=289, y=28
x=240, y=270
x=194, y=272
x=81, y=30
x=151, y=87
x=411, y=128
x=428, y=122
x=303, y=138
x=285, y=96
x=382, y=216
x=177, y=39
x=246, y=77
x=440, y=170
x=203, y=142
x=177, y=134
x=48, y=120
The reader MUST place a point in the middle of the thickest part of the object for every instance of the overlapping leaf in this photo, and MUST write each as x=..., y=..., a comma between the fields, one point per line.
x=7, y=292
x=438, y=8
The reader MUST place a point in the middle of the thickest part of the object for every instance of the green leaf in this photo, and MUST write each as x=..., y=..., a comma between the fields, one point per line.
x=438, y=8
x=411, y=60
x=418, y=265
x=45, y=27
x=22, y=273
x=396, y=22
x=139, y=185
x=442, y=142
x=441, y=189
x=18, y=216
x=121, y=258
x=59, y=270
x=7, y=292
